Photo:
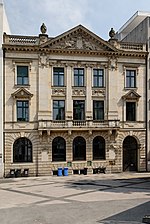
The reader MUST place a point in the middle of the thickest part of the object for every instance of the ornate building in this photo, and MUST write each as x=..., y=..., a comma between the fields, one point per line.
x=74, y=101
x=137, y=30
x=4, y=27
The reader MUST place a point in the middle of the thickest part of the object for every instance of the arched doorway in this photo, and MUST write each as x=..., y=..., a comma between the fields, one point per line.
x=58, y=149
x=130, y=154
x=79, y=149
x=98, y=148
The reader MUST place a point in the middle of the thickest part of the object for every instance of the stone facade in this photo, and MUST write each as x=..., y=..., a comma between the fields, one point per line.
x=137, y=30
x=4, y=27
x=55, y=141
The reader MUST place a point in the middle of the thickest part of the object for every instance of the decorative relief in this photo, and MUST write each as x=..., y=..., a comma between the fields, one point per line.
x=22, y=93
x=98, y=92
x=78, y=92
x=43, y=60
x=59, y=92
x=113, y=63
x=79, y=41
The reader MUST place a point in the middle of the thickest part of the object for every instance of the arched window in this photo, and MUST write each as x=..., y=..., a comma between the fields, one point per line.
x=22, y=150
x=58, y=149
x=79, y=148
x=98, y=148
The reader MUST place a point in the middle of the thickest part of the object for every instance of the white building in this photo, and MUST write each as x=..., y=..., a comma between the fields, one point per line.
x=74, y=100
x=4, y=27
x=137, y=30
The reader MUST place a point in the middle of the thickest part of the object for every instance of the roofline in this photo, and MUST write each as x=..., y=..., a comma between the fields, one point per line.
x=134, y=21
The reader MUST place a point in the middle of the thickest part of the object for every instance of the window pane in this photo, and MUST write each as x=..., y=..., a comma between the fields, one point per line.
x=22, y=111
x=78, y=77
x=58, y=77
x=130, y=111
x=98, y=110
x=22, y=150
x=22, y=75
x=98, y=77
x=78, y=110
x=59, y=110
x=130, y=78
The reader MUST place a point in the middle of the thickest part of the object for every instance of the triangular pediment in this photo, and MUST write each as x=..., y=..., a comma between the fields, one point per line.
x=131, y=95
x=79, y=38
x=22, y=94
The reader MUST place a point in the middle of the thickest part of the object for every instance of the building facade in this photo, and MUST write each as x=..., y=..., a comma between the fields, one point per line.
x=74, y=101
x=137, y=30
x=4, y=27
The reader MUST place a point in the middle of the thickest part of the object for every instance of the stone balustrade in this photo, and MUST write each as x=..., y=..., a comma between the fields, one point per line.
x=51, y=124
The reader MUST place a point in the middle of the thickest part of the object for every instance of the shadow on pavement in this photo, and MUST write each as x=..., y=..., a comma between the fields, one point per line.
x=133, y=215
x=112, y=185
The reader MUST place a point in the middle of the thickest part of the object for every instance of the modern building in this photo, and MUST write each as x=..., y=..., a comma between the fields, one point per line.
x=74, y=101
x=137, y=30
x=4, y=27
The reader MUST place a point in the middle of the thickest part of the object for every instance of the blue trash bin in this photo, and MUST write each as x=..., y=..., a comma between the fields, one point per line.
x=65, y=171
x=59, y=171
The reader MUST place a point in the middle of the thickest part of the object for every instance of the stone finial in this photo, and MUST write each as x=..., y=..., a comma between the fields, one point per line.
x=43, y=28
x=112, y=33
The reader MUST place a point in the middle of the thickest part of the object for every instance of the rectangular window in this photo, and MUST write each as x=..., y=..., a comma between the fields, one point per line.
x=130, y=78
x=58, y=76
x=130, y=111
x=22, y=110
x=58, y=110
x=22, y=75
x=98, y=77
x=78, y=77
x=79, y=110
x=98, y=110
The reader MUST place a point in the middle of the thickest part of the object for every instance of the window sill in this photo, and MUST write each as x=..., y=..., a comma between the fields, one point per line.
x=22, y=86
x=129, y=88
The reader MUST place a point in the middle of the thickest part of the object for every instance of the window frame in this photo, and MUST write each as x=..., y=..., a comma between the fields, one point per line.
x=24, y=111
x=98, y=111
x=78, y=110
x=58, y=75
x=129, y=78
x=26, y=147
x=60, y=117
x=22, y=78
x=99, y=77
x=130, y=110
x=79, y=77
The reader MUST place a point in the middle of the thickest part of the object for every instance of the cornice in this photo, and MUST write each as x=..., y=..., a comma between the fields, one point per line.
x=38, y=49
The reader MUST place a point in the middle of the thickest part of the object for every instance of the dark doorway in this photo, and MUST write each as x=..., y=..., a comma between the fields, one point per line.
x=79, y=149
x=130, y=154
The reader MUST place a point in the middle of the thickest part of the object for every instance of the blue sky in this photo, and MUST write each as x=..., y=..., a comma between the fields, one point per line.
x=26, y=16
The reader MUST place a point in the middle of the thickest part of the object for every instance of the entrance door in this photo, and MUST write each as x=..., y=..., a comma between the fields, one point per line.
x=130, y=154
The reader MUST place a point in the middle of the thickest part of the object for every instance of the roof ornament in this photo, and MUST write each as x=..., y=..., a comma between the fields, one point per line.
x=43, y=28
x=112, y=33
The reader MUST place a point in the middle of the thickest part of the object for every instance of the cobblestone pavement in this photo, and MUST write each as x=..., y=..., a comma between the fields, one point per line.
x=77, y=199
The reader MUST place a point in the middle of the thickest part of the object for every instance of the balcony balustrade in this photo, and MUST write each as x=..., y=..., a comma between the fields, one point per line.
x=66, y=124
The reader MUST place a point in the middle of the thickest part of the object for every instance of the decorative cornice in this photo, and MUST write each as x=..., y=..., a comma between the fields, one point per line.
x=37, y=49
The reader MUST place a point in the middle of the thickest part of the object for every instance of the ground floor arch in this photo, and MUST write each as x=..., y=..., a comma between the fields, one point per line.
x=130, y=154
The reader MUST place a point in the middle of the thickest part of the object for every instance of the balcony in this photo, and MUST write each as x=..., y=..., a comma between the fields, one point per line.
x=77, y=124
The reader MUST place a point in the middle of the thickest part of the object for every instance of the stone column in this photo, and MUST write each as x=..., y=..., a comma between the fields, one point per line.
x=112, y=90
x=69, y=103
x=44, y=89
x=88, y=84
